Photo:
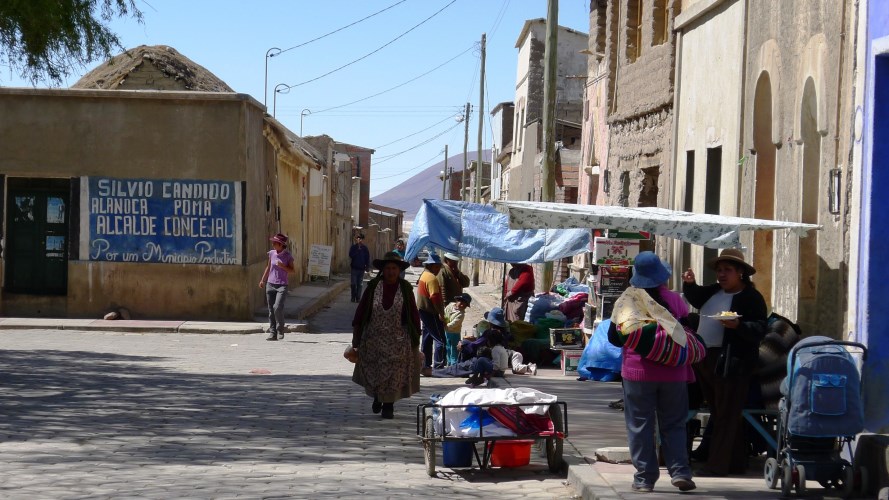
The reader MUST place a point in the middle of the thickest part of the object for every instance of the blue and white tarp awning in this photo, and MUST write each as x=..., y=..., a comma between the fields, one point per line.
x=479, y=231
x=712, y=231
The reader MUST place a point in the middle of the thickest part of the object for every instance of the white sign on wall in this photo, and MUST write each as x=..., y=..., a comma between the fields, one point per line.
x=319, y=260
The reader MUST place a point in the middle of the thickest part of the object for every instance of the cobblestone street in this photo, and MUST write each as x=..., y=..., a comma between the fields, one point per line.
x=118, y=415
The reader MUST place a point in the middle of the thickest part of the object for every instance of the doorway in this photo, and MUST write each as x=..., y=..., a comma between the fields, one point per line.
x=37, y=236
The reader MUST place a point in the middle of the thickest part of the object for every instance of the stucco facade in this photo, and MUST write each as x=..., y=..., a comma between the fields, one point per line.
x=708, y=116
x=75, y=139
x=796, y=146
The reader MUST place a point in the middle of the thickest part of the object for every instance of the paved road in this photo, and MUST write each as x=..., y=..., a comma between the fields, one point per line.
x=114, y=415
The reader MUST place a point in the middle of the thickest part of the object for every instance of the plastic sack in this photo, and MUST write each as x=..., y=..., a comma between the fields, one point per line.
x=476, y=415
x=600, y=359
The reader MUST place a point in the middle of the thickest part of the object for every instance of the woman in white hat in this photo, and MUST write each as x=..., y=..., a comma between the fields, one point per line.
x=732, y=350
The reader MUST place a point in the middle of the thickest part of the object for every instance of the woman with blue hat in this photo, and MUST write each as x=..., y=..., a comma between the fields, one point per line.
x=655, y=394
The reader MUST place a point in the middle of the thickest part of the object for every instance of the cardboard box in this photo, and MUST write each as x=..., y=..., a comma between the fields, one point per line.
x=565, y=338
x=570, y=360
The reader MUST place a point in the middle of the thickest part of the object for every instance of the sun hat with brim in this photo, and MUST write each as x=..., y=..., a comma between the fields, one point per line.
x=465, y=298
x=451, y=256
x=649, y=271
x=496, y=317
x=279, y=238
x=432, y=259
x=393, y=258
x=733, y=255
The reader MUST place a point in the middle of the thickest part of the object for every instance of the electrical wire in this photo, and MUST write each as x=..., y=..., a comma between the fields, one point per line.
x=365, y=56
x=423, y=164
x=427, y=141
x=500, y=16
x=336, y=30
x=411, y=135
x=399, y=85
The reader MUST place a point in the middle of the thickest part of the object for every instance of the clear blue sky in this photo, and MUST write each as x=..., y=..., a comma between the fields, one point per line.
x=231, y=37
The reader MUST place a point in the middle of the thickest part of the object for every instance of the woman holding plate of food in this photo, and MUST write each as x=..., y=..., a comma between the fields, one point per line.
x=733, y=322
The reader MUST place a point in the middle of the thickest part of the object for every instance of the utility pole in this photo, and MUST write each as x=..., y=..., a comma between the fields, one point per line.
x=479, y=163
x=444, y=176
x=550, y=58
x=465, y=155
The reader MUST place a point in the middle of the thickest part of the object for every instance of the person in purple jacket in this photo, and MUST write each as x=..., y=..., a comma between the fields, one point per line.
x=274, y=280
x=655, y=395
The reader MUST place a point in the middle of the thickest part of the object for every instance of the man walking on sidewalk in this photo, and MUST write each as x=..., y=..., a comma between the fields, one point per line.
x=430, y=302
x=360, y=256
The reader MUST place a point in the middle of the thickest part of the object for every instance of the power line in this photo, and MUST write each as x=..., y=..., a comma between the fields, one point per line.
x=390, y=42
x=423, y=164
x=500, y=16
x=411, y=135
x=337, y=30
x=427, y=141
x=399, y=85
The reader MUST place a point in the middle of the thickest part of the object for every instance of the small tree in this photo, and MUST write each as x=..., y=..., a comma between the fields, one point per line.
x=46, y=39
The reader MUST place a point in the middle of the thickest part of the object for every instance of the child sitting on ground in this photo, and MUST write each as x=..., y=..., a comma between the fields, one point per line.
x=503, y=358
x=482, y=368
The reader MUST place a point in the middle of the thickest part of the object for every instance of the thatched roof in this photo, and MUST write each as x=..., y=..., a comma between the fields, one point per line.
x=123, y=71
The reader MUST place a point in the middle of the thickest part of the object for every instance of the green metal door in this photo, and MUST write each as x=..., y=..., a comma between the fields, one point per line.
x=37, y=236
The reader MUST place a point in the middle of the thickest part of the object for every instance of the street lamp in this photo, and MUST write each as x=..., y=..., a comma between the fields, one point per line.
x=282, y=88
x=265, y=88
x=303, y=113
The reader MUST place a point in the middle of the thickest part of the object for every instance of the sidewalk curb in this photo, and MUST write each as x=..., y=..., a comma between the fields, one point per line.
x=589, y=484
x=322, y=300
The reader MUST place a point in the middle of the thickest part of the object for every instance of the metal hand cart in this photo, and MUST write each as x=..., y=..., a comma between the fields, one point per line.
x=552, y=437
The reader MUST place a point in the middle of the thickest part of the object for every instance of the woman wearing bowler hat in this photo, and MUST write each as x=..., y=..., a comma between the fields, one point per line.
x=274, y=280
x=386, y=334
x=732, y=352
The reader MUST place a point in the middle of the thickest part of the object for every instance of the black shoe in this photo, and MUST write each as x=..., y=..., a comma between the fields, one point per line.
x=280, y=336
x=388, y=410
x=376, y=406
x=683, y=483
x=272, y=337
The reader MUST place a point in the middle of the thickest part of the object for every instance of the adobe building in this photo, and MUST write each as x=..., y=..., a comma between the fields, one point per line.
x=160, y=201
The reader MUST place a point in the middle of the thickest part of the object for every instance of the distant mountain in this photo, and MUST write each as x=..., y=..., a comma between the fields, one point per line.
x=409, y=195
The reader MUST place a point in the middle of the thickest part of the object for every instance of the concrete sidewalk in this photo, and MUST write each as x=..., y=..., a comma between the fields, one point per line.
x=302, y=302
x=596, y=448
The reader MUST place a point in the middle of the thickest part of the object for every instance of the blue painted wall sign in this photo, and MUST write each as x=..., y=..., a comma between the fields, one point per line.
x=180, y=221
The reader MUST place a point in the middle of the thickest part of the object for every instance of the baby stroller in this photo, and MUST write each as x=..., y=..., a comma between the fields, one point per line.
x=820, y=413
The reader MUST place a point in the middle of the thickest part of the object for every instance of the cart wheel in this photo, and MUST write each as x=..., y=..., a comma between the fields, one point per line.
x=429, y=446
x=801, y=480
x=554, y=444
x=846, y=484
x=770, y=472
x=786, y=478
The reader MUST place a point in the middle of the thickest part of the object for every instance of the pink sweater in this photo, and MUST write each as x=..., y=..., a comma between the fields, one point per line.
x=639, y=369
